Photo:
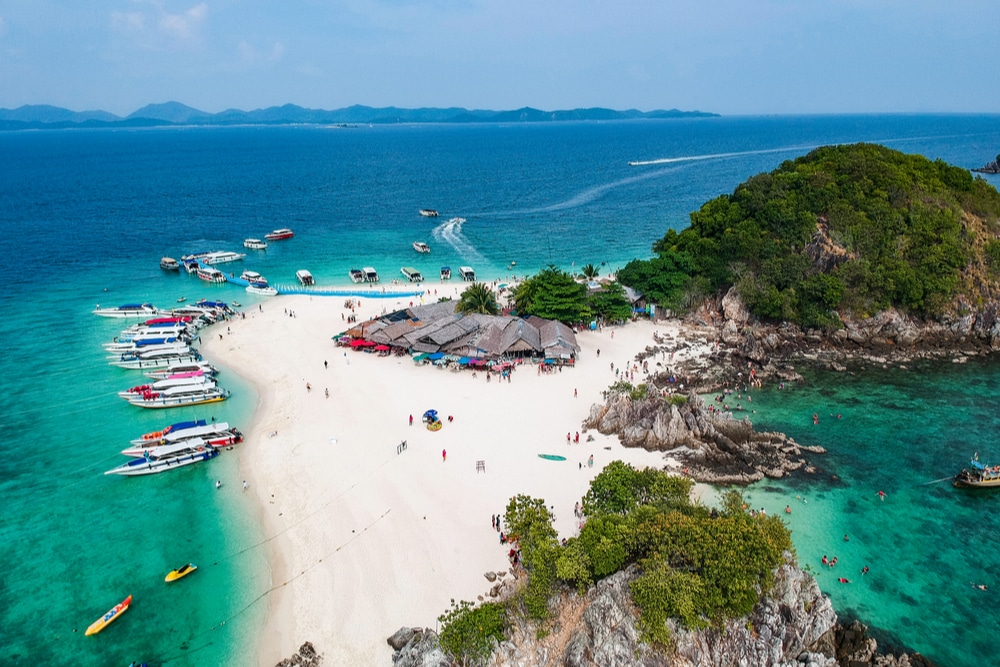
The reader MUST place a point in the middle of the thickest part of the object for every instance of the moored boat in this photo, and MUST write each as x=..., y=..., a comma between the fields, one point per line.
x=221, y=257
x=422, y=247
x=159, y=359
x=169, y=264
x=255, y=244
x=468, y=273
x=164, y=373
x=261, y=289
x=445, y=273
x=188, y=382
x=177, y=457
x=371, y=275
x=111, y=615
x=978, y=476
x=128, y=310
x=357, y=275
x=154, y=436
x=305, y=278
x=216, y=434
x=177, y=397
x=212, y=275
x=279, y=235
x=412, y=274
x=181, y=572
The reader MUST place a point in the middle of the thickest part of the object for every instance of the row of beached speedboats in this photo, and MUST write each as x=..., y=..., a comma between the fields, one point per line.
x=175, y=375
x=178, y=445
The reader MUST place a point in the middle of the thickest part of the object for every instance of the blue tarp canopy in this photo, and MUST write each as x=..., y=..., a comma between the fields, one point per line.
x=436, y=356
x=430, y=414
x=464, y=360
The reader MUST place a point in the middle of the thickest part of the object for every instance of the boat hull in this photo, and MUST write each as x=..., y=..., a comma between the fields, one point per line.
x=179, y=401
x=180, y=572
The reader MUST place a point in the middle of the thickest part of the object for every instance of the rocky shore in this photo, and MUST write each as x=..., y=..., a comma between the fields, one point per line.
x=793, y=627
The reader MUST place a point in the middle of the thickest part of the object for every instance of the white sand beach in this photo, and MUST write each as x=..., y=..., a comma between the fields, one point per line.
x=368, y=538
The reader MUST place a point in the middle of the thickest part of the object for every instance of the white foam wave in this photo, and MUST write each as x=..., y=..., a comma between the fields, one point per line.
x=450, y=232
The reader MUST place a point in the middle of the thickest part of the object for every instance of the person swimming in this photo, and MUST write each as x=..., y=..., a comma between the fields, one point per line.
x=844, y=581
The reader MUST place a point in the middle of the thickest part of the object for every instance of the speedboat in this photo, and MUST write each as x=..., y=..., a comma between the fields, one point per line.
x=169, y=264
x=218, y=440
x=182, y=571
x=128, y=310
x=371, y=275
x=252, y=277
x=168, y=459
x=255, y=244
x=155, y=359
x=468, y=273
x=222, y=257
x=428, y=213
x=145, y=343
x=445, y=273
x=190, y=382
x=420, y=246
x=211, y=275
x=305, y=278
x=412, y=274
x=111, y=615
x=261, y=289
x=357, y=275
x=215, y=434
x=164, y=373
x=456, y=221
x=154, y=436
x=180, y=396
x=279, y=235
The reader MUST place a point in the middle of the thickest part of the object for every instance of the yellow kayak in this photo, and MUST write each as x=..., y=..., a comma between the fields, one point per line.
x=182, y=571
x=106, y=620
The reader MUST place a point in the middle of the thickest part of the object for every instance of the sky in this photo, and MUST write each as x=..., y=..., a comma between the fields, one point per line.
x=726, y=56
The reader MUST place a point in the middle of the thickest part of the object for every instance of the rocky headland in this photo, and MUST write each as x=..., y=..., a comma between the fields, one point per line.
x=795, y=626
x=990, y=167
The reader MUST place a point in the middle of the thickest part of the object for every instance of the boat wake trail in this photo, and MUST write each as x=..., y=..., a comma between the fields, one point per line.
x=715, y=156
x=450, y=232
x=593, y=193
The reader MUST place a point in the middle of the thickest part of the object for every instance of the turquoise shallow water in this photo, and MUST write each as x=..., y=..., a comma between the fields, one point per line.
x=86, y=215
x=926, y=543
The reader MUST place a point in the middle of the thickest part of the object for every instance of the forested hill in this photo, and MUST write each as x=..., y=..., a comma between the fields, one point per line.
x=843, y=231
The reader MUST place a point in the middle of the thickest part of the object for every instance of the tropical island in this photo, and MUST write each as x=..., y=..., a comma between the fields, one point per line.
x=40, y=116
x=849, y=255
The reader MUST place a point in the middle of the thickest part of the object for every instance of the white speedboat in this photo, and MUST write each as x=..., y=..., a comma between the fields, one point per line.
x=428, y=213
x=255, y=244
x=357, y=275
x=144, y=343
x=420, y=246
x=164, y=373
x=177, y=456
x=180, y=397
x=188, y=383
x=212, y=275
x=468, y=273
x=456, y=221
x=128, y=310
x=169, y=264
x=305, y=278
x=210, y=435
x=222, y=257
x=154, y=436
x=445, y=273
x=252, y=277
x=412, y=274
x=371, y=275
x=159, y=359
x=261, y=289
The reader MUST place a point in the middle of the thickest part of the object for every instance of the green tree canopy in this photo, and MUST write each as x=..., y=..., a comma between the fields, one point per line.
x=553, y=295
x=477, y=298
x=610, y=303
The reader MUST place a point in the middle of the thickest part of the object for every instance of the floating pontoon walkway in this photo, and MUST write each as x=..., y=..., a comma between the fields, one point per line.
x=370, y=293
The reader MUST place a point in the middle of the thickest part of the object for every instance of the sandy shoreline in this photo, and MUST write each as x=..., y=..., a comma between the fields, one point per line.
x=368, y=539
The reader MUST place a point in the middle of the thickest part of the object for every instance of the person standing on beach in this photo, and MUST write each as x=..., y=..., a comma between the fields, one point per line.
x=411, y=420
x=444, y=455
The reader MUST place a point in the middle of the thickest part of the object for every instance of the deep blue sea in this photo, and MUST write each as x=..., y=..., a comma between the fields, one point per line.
x=87, y=214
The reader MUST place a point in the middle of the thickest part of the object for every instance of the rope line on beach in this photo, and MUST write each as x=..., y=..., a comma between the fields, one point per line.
x=184, y=649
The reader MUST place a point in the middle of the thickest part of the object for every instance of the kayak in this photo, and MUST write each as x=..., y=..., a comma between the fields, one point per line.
x=552, y=457
x=106, y=620
x=182, y=571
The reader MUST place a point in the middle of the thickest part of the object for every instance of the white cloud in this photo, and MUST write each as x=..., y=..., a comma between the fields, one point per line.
x=153, y=27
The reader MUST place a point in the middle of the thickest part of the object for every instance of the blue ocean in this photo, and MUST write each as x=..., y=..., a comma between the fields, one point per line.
x=86, y=216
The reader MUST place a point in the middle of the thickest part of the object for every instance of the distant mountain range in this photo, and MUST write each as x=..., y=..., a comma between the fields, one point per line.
x=174, y=113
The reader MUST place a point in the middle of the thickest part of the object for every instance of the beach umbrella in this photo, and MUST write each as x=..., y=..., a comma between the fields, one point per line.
x=357, y=342
x=381, y=348
x=421, y=357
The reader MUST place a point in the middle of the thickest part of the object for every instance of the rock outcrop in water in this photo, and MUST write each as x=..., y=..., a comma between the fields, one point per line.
x=793, y=627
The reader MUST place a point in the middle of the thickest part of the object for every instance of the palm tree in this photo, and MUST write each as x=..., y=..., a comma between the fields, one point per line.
x=477, y=298
x=590, y=272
